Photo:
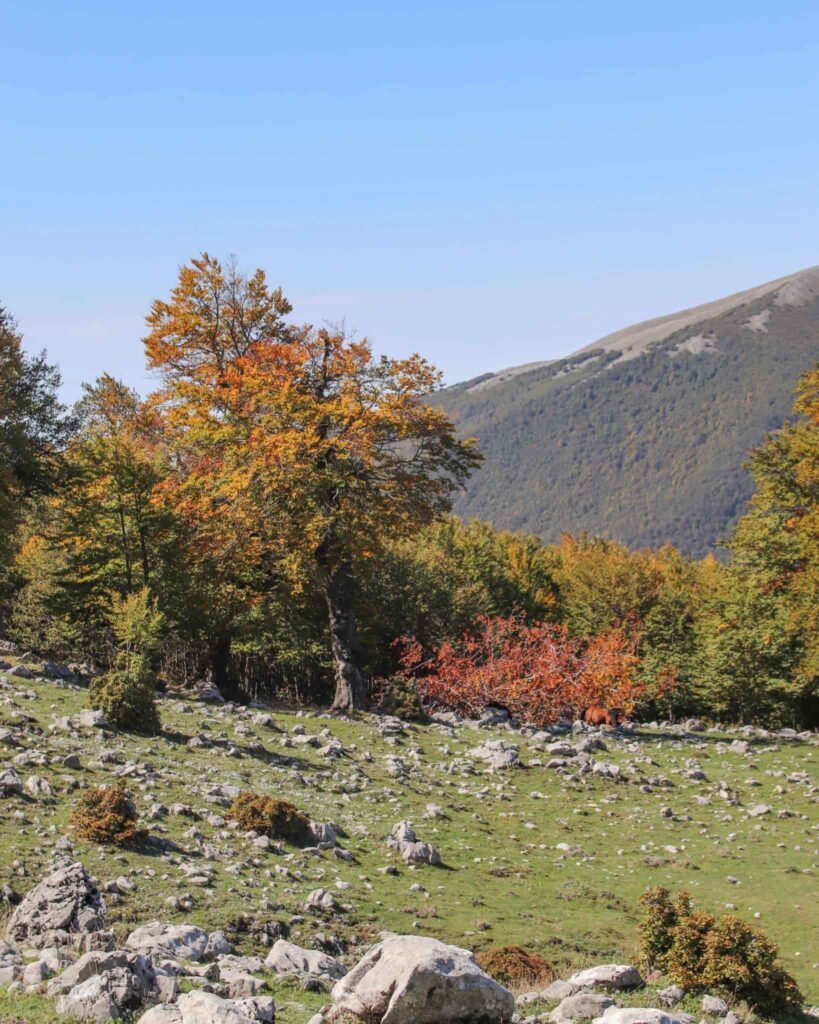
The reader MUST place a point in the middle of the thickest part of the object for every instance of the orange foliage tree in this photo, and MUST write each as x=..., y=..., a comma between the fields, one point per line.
x=535, y=670
x=295, y=450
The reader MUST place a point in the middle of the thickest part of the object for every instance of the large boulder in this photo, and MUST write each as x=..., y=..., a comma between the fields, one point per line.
x=208, y=1008
x=409, y=979
x=172, y=941
x=103, y=986
x=288, y=958
x=617, y=976
x=62, y=906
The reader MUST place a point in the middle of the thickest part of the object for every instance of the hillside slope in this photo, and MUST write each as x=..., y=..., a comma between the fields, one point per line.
x=551, y=852
x=642, y=435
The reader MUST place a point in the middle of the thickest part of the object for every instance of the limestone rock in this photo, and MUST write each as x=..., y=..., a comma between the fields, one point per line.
x=173, y=941
x=64, y=904
x=288, y=958
x=617, y=976
x=583, y=1006
x=410, y=979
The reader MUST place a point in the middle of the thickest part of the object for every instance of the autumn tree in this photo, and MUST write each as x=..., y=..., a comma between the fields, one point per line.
x=297, y=453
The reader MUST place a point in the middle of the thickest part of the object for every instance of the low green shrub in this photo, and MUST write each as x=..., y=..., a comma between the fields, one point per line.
x=126, y=694
x=278, y=819
x=656, y=930
x=127, y=699
x=399, y=697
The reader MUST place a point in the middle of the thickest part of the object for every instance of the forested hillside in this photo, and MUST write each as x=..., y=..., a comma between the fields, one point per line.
x=642, y=436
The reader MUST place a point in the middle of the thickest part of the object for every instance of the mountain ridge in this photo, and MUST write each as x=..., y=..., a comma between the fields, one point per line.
x=642, y=434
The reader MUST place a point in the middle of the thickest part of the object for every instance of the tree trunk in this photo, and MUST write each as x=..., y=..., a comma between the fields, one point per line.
x=218, y=663
x=350, y=691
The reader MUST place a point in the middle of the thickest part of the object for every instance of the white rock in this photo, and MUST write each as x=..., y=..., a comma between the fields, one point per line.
x=288, y=958
x=410, y=979
x=174, y=941
x=608, y=976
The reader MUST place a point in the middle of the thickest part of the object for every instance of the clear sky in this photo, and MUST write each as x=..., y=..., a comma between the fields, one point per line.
x=487, y=183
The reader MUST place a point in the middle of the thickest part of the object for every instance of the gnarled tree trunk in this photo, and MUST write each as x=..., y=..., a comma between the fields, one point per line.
x=338, y=589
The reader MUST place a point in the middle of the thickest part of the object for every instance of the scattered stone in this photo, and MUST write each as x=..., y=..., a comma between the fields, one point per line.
x=497, y=754
x=583, y=1006
x=616, y=976
x=714, y=1006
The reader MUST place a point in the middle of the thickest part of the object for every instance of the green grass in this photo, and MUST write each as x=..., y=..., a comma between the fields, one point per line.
x=503, y=881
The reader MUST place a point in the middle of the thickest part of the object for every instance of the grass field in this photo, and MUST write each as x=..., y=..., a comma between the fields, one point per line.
x=553, y=862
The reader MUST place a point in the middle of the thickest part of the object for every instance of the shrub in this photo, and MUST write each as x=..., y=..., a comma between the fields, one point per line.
x=105, y=815
x=699, y=952
x=656, y=930
x=278, y=819
x=127, y=701
x=686, y=958
x=742, y=960
x=126, y=694
x=537, y=671
x=513, y=965
x=399, y=697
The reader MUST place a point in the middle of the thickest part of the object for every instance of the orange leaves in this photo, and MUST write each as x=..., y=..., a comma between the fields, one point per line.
x=304, y=441
x=535, y=670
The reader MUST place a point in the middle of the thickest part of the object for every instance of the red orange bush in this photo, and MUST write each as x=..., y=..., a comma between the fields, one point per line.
x=535, y=670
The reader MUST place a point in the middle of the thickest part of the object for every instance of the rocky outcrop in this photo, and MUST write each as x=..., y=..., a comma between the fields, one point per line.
x=103, y=986
x=62, y=907
x=410, y=979
x=412, y=851
x=497, y=754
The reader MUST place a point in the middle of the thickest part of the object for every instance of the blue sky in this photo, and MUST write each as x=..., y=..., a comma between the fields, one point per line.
x=487, y=183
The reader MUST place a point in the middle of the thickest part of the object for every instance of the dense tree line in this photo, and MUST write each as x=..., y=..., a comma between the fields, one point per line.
x=276, y=517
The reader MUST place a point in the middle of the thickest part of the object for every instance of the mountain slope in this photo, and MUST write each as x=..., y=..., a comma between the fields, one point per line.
x=642, y=435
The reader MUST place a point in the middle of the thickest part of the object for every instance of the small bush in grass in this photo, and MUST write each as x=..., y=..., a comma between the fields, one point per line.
x=742, y=960
x=105, y=815
x=126, y=699
x=278, y=819
x=686, y=958
x=513, y=965
x=125, y=695
x=699, y=952
x=656, y=930
x=399, y=697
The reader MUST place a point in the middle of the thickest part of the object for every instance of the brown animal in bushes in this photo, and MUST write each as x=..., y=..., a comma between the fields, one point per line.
x=597, y=715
